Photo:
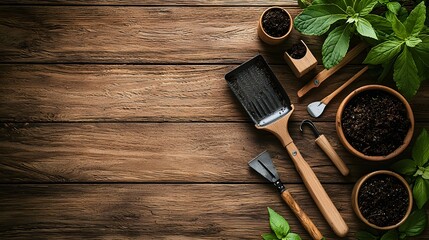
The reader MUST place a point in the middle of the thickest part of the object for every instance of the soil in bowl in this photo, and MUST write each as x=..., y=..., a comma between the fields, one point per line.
x=383, y=200
x=276, y=22
x=375, y=123
x=297, y=51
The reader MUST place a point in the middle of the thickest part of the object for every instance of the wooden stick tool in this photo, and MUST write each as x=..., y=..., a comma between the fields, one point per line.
x=326, y=146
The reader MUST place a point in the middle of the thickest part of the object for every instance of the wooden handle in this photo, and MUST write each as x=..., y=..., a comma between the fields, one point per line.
x=324, y=144
x=317, y=192
x=325, y=73
x=302, y=216
x=328, y=98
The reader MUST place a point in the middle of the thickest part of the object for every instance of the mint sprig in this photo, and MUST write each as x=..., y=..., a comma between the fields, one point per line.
x=318, y=18
x=280, y=228
x=400, y=40
x=417, y=169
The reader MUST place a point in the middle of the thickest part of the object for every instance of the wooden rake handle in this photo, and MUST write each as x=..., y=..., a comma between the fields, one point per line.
x=302, y=216
x=317, y=192
x=325, y=73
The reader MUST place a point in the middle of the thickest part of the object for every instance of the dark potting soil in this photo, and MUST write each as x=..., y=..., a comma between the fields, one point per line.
x=375, y=123
x=383, y=200
x=297, y=51
x=276, y=22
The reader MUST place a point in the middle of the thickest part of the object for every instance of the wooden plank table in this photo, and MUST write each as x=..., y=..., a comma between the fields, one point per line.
x=117, y=123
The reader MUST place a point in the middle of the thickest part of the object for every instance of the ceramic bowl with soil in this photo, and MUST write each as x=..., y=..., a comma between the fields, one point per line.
x=375, y=123
x=275, y=25
x=382, y=199
x=300, y=59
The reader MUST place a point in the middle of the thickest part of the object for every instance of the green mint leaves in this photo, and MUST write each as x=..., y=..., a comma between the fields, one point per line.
x=278, y=224
x=318, y=18
x=407, y=49
x=280, y=227
x=413, y=226
x=417, y=169
x=401, y=40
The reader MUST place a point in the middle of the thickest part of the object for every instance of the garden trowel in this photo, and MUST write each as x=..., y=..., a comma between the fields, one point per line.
x=263, y=164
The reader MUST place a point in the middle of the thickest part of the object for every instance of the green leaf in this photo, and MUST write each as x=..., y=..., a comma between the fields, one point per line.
x=383, y=28
x=405, y=74
x=420, y=150
x=405, y=167
x=421, y=51
x=350, y=11
x=269, y=236
x=393, y=7
x=292, y=236
x=415, y=223
x=365, y=28
x=390, y=235
x=416, y=20
x=425, y=174
x=397, y=26
x=362, y=235
x=412, y=41
x=383, y=52
x=304, y=3
x=421, y=191
x=316, y=19
x=335, y=46
x=363, y=7
x=278, y=224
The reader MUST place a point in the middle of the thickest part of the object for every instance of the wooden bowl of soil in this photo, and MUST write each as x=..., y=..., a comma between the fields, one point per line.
x=382, y=199
x=375, y=123
x=275, y=25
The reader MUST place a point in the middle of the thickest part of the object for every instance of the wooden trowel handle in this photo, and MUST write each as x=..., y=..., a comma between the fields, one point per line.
x=317, y=192
x=302, y=216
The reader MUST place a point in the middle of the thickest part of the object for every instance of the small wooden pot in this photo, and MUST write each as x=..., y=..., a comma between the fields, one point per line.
x=356, y=190
x=302, y=65
x=350, y=148
x=269, y=39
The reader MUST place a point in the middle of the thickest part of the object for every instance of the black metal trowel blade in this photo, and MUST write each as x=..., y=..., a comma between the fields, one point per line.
x=259, y=91
x=263, y=164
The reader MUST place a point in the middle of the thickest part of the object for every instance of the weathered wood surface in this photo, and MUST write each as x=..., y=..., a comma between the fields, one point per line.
x=156, y=148
x=136, y=35
x=159, y=152
x=152, y=93
x=157, y=211
x=155, y=2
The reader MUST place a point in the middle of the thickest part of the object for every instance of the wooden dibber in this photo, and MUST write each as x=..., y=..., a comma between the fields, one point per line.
x=302, y=65
x=324, y=74
x=327, y=148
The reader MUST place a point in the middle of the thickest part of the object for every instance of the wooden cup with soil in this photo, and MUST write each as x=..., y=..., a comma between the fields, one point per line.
x=375, y=123
x=300, y=59
x=382, y=199
x=275, y=25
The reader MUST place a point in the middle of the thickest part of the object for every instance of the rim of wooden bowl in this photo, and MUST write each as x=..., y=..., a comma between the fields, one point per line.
x=356, y=190
x=350, y=148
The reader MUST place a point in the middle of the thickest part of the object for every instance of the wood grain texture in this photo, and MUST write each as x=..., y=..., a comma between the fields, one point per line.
x=154, y=2
x=156, y=211
x=136, y=35
x=160, y=152
x=153, y=93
